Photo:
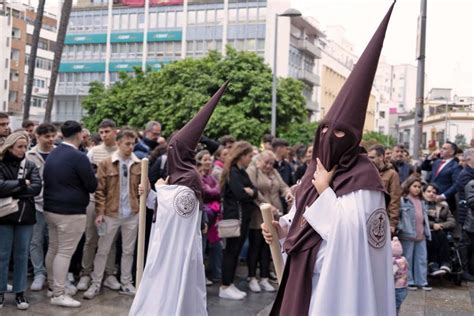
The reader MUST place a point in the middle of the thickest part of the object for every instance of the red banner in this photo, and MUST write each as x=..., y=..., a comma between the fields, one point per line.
x=141, y=3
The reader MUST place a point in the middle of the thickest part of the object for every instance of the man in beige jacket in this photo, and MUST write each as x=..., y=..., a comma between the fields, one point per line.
x=117, y=206
x=391, y=182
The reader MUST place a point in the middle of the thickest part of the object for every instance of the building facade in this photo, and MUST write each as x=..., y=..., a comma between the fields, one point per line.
x=337, y=62
x=175, y=30
x=16, y=31
x=445, y=118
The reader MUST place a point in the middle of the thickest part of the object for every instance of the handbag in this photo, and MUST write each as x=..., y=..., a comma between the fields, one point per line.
x=229, y=228
x=9, y=205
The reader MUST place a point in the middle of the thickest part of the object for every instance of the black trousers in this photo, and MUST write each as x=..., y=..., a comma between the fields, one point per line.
x=438, y=247
x=230, y=255
x=259, y=252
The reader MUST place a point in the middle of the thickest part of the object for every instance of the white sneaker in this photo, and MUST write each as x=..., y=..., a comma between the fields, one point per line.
x=230, y=294
x=70, y=289
x=112, y=283
x=70, y=277
x=253, y=285
x=9, y=288
x=266, y=286
x=84, y=283
x=65, y=301
x=92, y=291
x=209, y=282
x=235, y=289
x=38, y=282
x=128, y=289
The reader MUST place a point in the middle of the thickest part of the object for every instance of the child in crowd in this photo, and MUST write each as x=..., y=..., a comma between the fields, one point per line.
x=400, y=272
x=441, y=221
x=414, y=230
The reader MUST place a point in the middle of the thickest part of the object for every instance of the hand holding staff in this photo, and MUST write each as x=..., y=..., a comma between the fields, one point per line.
x=141, y=221
x=275, y=244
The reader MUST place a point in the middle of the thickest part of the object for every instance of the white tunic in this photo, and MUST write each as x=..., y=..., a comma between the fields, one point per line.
x=173, y=281
x=353, y=271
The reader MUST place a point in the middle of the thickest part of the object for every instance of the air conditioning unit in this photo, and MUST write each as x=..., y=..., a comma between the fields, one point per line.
x=35, y=90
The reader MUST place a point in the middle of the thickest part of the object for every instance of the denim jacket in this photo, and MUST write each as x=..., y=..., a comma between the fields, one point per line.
x=407, y=224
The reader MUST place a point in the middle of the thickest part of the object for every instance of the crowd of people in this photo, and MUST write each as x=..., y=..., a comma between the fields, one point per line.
x=69, y=203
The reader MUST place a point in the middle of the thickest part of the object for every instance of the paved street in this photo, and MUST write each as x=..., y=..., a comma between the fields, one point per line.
x=446, y=299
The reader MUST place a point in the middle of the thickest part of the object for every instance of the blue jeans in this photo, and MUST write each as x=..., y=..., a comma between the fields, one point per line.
x=417, y=256
x=215, y=258
x=17, y=237
x=40, y=230
x=400, y=295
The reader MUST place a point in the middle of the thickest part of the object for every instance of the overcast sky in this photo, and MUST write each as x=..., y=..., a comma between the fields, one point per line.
x=450, y=34
x=449, y=42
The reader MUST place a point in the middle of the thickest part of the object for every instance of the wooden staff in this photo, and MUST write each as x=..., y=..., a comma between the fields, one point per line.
x=275, y=245
x=141, y=221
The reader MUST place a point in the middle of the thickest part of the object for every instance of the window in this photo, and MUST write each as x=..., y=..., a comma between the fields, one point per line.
x=171, y=19
x=191, y=17
x=12, y=96
x=211, y=16
x=116, y=21
x=15, y=55
x=232, y=15
x=250, y=44
x=179, y=19
x=124, y=21
x=219, y=16
x=14, y=76
x=141, y=20
x=133, y=21
x=162, y=20
x=16, y=33
x=153, y=20
x=253, y=14
x=262, y=14
x=242, y=18
x=201, y=17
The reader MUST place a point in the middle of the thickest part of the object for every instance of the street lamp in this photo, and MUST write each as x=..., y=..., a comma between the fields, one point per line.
x=288, y=13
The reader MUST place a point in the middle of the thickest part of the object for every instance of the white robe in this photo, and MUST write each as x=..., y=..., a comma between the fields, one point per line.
x=173, y=281
x=351, y=276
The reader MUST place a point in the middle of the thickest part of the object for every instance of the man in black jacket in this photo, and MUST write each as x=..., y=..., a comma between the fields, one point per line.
x=68, y=181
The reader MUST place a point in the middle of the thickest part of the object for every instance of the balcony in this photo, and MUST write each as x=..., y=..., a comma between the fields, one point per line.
x=309, y=78
x=309, y=48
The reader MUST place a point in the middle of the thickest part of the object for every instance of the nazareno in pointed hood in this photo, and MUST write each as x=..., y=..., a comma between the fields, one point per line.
x=354, y=172
x=182, y=146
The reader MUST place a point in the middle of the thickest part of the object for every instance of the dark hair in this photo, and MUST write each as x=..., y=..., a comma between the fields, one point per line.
x=45, y=128
x=126, y=132
x=401, y=146
x=453, y=146
x=279, y=142
x=70, y=128
x=27, y=123
x=107, y=123
x=300, y=150
x=226, y=139
x=237, y=151
x=159, y=150
x=434, y=186
x=218, y=152
x=267, y=138
x=95, y=138
x=408, y=183
x=379, y=149
x=4, y=115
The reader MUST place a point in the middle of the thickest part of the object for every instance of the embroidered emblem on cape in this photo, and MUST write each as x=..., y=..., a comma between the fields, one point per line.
x=377, y=236
x=185, y=203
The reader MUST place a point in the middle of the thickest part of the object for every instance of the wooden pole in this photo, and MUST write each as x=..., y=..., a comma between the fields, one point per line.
x=275, y=248
x=141, y=222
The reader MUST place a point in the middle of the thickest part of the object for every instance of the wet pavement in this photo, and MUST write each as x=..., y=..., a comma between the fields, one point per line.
x=446, y=299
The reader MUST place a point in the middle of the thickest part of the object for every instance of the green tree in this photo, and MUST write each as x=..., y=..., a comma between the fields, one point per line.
x=175, y=93
x=461, y=141
x=372, y=138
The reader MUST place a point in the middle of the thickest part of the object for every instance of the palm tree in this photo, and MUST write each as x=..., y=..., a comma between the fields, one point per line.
x=32, y=60
x=65, y=13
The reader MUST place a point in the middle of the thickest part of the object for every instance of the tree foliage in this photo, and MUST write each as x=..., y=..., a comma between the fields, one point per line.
x=461, y=141
x=175, y=93
x=372, y=138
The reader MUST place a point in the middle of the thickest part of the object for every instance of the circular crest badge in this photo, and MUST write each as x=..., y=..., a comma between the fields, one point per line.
x=376, y=231
x=185, y=203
